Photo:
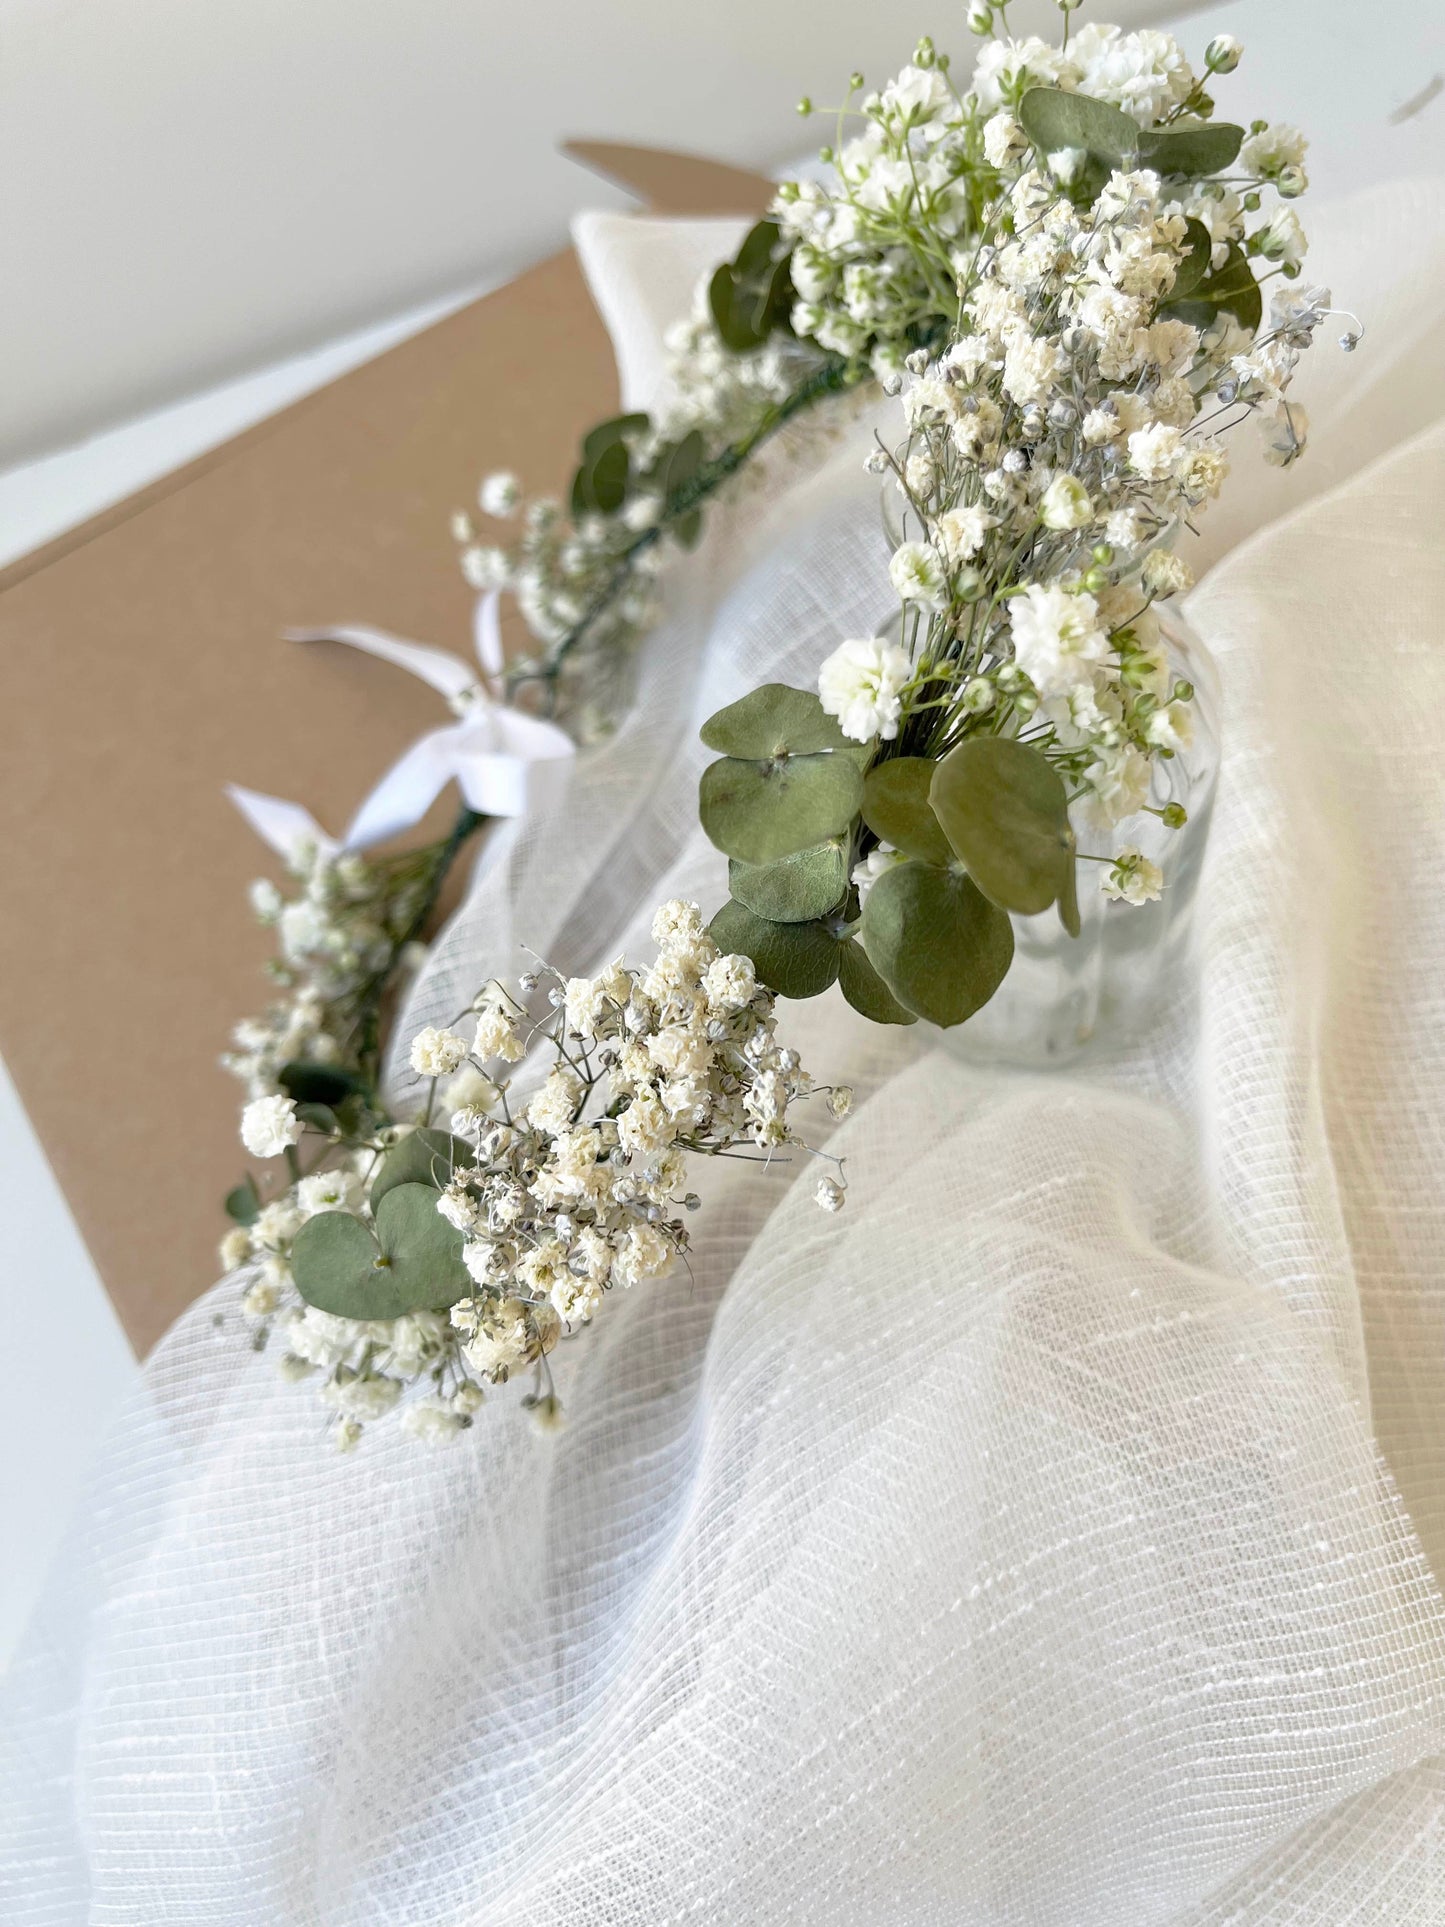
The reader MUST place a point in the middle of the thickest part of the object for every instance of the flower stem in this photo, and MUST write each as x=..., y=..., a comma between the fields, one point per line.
x=833, y=377
x=368, y=1053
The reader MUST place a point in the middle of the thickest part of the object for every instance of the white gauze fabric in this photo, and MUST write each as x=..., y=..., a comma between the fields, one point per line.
x=1051, y=1540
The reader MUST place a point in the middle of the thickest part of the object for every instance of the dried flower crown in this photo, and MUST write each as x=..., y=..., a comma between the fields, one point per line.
x=1056, y=272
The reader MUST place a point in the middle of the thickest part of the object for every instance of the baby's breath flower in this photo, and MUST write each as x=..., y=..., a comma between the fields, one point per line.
x=1285, y=434
x=496, y=1036
x=269, y=1125
x=860, y=684
x=235, y=1248
x=437, y=1053
x=1166, y=574
x=1065, y=504
x=434, y=1421
x=878, y=860
x=730, y=982
x=499, y=494
x=1132, y=879
x=918, y=575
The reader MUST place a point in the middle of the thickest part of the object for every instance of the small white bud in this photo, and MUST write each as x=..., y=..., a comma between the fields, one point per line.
x=499, y=494
x=1223, y=53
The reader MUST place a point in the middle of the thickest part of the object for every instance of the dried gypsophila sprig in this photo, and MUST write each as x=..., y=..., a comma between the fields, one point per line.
x=1054, y=454
x=857, y=270
x=556, y=1199
x=348, y=936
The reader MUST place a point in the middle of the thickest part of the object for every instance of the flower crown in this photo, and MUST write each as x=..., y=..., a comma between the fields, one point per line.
x=1059, y=272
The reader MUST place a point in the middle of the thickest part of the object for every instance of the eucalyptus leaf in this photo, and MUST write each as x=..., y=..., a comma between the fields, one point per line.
x=328, y=1084
x=243, y=1204
x=778, y=308
x=687, y=528
x=1204, y=147
x=729, y=313
x=866, y=990
x=759, y=812
x=1231, y=287
x=755, y=256
x=1005, y=811
x=795, y=889
x=1195, y=263
x=599, y=439
x=607, y=478
x=896, y=808
x=774, y=720
x=938, y=943
x=684, y=462
x=413, y=1263
x=794, y=959
x=752, y=295
x=320, y=1117
x=1054, y=120
x=421, y=1157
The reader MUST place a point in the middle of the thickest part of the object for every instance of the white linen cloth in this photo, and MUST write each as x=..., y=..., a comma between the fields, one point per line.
x=1053, y=1540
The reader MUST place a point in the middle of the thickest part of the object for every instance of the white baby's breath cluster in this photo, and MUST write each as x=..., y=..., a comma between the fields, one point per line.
x=338, y=937
x=877, y=251
x=883, y=243
x=578, y=1179
x=587, y=585
x=1070, y=429
x=583, y=1187
x=589, y=578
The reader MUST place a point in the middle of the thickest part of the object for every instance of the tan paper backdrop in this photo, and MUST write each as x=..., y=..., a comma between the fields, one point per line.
x=142, y=667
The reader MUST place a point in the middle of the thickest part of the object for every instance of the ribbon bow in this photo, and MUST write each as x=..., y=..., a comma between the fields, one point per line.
x=505, y=763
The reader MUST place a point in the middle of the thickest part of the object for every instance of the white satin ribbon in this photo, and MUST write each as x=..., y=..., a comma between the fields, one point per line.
x=504, y=763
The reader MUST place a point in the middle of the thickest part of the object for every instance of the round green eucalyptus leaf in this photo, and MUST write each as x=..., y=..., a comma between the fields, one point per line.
x=1054, y=120
x=780, y=298
x=795, y=959
x=1195, y=264
x=759, y=812
x=329, y=1084
x=771, y=721
x=617, y=429
x=421, y=1157
x=1231, y=287
x=413, y=1263
x=755, y=256
x=796, y=888
x=1005, y=812
x=733, y=311
x=607, y=477
x=1207, y=147
x=335, y=1263
x=938, y=943
x=243, y=1204
x=866, y=990
x=896, y=808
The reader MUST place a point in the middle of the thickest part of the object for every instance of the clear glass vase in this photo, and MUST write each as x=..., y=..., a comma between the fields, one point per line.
x=1063, y=995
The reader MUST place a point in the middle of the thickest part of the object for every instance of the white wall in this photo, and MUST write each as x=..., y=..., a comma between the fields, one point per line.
x=192, y=188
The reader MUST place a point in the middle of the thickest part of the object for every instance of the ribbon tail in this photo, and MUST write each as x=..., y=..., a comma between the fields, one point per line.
x=487, y=626
x=451, y=675
x=281, y=825
x=408, y=789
